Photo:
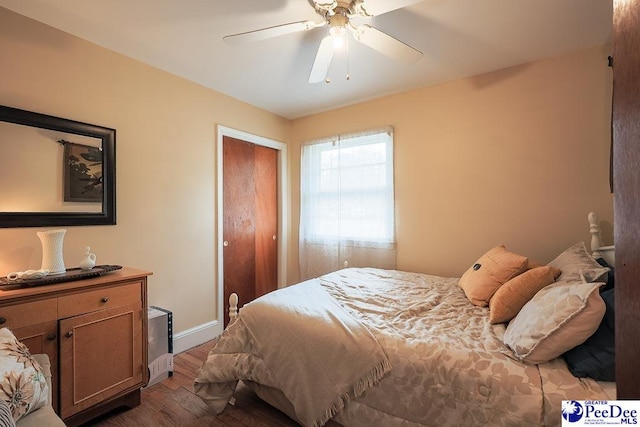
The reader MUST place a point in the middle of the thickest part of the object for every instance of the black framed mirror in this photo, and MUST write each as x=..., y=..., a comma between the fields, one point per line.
x=55, y=171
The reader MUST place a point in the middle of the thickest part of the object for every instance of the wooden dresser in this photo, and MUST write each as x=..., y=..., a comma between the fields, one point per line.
x=95, y=333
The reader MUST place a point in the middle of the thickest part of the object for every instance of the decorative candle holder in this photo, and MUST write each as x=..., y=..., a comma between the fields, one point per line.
x=52, y=259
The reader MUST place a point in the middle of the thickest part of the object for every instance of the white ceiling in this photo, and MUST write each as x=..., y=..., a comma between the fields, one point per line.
x=459, y=38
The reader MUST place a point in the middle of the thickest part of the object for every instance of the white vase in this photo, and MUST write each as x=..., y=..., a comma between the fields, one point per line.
x=52, y=259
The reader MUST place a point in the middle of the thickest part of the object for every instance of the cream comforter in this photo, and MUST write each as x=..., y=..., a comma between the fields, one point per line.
x=341, y=359
x=450, y=366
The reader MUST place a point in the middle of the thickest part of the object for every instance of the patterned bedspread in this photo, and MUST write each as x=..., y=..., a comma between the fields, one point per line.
x=450, y=367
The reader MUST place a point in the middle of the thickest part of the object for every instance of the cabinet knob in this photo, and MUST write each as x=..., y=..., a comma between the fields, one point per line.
x=105, y=299
x=3, y=320
x=69, y=334
x=225, y=243
x=51, y=337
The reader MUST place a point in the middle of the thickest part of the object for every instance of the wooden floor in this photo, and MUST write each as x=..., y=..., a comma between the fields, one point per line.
x=172, y=402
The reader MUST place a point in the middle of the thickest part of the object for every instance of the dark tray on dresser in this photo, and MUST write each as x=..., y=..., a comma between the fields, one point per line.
x=69, y=275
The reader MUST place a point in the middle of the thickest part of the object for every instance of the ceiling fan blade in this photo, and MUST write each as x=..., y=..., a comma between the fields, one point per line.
x=385, y=44
x=324, y=3
x=322, y=62
x=378, y=7
x=267, y=33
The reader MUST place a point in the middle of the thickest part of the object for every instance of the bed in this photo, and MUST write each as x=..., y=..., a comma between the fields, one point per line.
x=372, y=347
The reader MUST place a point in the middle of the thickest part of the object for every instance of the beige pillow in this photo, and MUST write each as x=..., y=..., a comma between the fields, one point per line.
x=556, y=271
x=577, y=263
x=489, y=272
x=558, y=318
x=513, y=295
x=24, y=386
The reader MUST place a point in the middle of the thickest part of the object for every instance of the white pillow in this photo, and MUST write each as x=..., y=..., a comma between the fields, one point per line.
x=558, y=318
x=23, y=384
x=577, y=263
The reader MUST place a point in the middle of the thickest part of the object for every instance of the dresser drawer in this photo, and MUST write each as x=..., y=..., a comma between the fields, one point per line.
x=85, y=302
x=28, y=313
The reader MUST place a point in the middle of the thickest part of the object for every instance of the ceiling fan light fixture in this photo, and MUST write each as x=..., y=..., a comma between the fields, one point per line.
x=338, y=27
x=338, y=37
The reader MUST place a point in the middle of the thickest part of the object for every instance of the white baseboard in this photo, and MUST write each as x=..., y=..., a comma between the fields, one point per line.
x=183, y=341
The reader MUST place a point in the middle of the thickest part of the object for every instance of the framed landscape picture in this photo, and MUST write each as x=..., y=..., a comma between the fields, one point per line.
x=82, y=173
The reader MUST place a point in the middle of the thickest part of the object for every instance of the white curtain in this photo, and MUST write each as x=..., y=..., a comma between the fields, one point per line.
x=347, y=214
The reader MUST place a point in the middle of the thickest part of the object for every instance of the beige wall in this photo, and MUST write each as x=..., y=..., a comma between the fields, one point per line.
x=517, y=157
x=166, y=139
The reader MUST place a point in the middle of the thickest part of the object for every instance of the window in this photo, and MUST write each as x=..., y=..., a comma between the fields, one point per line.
x=347, y=204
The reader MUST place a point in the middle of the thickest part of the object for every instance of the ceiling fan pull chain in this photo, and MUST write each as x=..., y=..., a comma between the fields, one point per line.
x=348, y=74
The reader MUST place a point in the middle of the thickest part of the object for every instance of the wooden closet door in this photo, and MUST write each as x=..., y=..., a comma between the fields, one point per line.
x=239, y=221
x=250, y=218
x=626, y=181
x=266, y=167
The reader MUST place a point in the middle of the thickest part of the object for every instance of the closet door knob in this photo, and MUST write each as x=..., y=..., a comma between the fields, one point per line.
x=225, y=243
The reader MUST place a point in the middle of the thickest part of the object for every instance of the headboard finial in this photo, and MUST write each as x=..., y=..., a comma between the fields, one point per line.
x=594, y=229
x=233, y=306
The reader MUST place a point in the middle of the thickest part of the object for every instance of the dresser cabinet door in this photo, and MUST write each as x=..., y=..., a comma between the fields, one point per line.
x=101, y=355
x=43, y=338
x=35, y=324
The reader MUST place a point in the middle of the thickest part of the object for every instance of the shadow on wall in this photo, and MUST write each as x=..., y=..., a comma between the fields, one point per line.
x=489, y=79
x=606, y=233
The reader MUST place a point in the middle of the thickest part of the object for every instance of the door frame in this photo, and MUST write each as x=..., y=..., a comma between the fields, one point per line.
x=282, y=211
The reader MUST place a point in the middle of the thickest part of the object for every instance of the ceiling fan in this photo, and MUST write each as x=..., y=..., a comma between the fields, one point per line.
x=337, y=15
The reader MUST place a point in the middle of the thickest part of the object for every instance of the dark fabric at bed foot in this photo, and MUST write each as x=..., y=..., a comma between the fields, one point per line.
x=595, y=357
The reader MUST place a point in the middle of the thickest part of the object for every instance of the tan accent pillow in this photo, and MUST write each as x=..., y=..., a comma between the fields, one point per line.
x=534, y=264
x=513, y=295
x=558, y=318
x=489, y=272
